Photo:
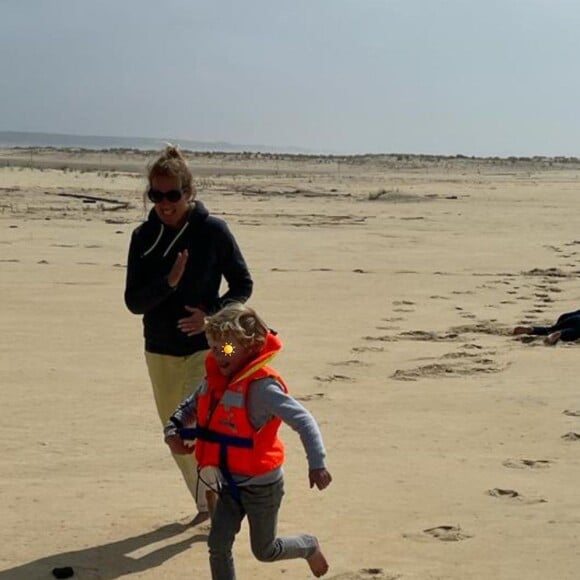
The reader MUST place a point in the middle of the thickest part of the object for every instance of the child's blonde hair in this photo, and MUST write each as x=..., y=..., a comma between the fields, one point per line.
x=172, y=163
x=239, y=321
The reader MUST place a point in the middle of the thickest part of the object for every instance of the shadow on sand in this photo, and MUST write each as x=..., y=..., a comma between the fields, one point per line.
x=112, y=560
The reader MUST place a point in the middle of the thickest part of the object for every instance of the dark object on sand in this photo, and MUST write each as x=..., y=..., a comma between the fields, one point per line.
x=65, y=572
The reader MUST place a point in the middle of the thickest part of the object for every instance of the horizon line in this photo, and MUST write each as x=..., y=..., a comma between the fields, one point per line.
x=235, y=148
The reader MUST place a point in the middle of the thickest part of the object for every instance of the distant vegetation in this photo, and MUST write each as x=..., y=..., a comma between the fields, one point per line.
x=356, y=158
x=135, y=160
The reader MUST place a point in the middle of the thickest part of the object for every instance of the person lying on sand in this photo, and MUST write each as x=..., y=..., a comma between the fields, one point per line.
x=567, y=328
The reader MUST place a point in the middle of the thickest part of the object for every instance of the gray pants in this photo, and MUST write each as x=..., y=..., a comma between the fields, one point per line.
x=261, y=504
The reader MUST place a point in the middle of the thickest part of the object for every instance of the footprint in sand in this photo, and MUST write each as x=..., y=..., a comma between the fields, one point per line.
x=511, y=494
x=448, y=533
x=430, y=370
x=546, y=273
x=425, y=335
x=311, y=397
x=543, y=298
x=351, y=363
x=334, y=378
x=367, y=349
x=458, y=368
x=571, y=436
x=526, y=339
x=471, y=346
x=503, y=493
x=527, y=463
x=454, y=355
x=382, y=338
x=483, y=327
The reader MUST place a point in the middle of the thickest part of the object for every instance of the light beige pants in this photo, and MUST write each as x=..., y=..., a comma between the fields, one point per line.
x=174, y=378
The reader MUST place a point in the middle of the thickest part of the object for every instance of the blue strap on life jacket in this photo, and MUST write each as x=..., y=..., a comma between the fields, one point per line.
x=224, y=441
x=215, y=437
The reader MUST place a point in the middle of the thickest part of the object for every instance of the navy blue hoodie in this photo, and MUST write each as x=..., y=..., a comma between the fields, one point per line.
x=213, y=253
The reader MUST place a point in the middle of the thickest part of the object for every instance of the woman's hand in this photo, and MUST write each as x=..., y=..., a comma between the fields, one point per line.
x=320, y=478
x=178, y=269
x=194, y=323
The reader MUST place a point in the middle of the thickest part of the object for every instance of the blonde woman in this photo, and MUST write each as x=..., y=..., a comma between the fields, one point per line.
x=177, y=260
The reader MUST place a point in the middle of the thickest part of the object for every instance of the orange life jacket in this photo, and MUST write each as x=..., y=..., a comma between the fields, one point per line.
x=226, y=437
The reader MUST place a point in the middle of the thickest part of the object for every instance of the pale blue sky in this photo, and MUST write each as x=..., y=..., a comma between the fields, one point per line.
x=490, y=77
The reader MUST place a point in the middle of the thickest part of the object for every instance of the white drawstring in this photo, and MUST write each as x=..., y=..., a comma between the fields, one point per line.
x=175, y=239
x=156, y=242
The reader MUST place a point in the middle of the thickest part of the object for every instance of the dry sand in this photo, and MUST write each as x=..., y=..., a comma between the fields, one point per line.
x=446, y=436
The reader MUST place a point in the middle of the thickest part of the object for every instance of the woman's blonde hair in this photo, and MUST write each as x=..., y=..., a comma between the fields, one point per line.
x=239, y=321
x=172, y=163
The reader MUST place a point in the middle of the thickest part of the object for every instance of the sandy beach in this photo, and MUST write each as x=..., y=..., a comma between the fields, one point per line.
x=394, y=281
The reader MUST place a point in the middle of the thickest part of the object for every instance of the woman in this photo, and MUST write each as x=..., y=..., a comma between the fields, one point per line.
x=177, y=259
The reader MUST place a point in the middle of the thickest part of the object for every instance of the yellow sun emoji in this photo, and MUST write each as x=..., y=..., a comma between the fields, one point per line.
x=228, y=349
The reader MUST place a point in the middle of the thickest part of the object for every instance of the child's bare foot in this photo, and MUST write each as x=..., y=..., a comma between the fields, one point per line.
x=522, y=330
x=553, y=338
x=318, y=563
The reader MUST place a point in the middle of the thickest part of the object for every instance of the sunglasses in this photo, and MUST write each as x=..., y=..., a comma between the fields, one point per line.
x=157, y=196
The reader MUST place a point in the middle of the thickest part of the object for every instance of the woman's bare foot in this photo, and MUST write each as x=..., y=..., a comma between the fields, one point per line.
x=318, y=563
x=553, y=338
x=522, y=330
